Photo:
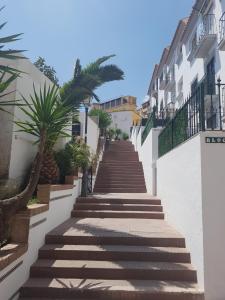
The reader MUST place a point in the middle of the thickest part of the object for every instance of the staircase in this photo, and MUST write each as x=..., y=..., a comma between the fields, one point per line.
x=120, y=170
x=116, y=246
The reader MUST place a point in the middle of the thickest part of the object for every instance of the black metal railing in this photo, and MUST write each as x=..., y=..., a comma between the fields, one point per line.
x=154, y=120
x=89, y=180
x=207, y=26
x=200, y=112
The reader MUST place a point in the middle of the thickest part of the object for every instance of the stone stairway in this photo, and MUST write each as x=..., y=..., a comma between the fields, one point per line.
x=116, y=246
x=120, y=170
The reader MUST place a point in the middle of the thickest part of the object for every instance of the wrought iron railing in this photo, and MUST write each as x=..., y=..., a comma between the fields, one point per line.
x=199, y=113
x=207, y=26
x=154, y=120
x=89, y=180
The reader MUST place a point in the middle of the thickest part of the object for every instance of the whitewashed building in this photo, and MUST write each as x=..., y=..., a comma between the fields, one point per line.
x=196, y=53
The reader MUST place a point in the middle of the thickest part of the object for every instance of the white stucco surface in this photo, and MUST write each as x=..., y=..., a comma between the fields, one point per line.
x=18, y=150
x=59, y=211
x=179, y=185
x=92, y=131
x=122, y=120
x=191, y=185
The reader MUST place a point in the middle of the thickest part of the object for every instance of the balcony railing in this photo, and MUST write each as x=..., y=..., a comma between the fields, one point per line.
x=204, y=38
x=222, y=32
x=207, y=27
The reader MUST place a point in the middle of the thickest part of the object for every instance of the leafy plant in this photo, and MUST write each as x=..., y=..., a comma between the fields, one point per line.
x=86, y=80
x=47, y=118
x=125, y=136
x=118, y=133
x=111, y=133
x=49, y=71
x=8, y=74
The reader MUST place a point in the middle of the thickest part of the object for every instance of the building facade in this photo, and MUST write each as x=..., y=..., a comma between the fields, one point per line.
x=123, y=111
x=196, y=55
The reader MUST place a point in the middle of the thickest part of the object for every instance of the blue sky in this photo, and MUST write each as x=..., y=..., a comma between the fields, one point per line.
x=62, y=30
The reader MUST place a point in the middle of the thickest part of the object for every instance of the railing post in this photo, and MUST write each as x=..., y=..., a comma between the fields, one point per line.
x=202, y=106
x=172, y=132
x=219, y=93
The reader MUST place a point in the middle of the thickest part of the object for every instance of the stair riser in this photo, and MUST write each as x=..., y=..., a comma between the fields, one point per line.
x=100, y=255
x=118, y=274
x=109, y=180
x=118, y=201
x=117, y=190
x=104, y=294
x=119, y=207
x=85, y=214
x=126, y=241
x=118, y=186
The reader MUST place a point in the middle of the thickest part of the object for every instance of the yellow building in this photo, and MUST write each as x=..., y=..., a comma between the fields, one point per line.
x=124, y=103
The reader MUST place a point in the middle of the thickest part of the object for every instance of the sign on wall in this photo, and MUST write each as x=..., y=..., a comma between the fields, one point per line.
x=215, y=140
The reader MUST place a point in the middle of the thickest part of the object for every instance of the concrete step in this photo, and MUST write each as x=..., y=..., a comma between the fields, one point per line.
x=114, y=252
x=90, y=199
x=116, y=214
x=119, y=185
x=121, y=207
x=116, y=231
x=102, y=289
x=120, y=190
x=119, y=180
x=95, y=269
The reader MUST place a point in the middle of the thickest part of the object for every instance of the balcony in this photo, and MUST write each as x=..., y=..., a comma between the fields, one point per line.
x=204, y=38
x=222, y=33
x=170, y=79
x=162, y=82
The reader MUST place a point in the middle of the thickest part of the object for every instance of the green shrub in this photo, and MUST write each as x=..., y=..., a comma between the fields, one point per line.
x=125, y=136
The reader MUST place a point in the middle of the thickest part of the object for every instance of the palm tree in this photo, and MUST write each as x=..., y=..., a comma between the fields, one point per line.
x=8, y=74
x=48, y=117
x=84, y=83
x=86, y=80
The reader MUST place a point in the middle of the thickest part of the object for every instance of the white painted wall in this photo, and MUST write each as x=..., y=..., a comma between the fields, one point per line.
x=213, y=191
x=59, y=211
x=148, y=155
x=122, y=120
x=190, y=182
x=18, y=149
x=180, y=188
x=92, y=131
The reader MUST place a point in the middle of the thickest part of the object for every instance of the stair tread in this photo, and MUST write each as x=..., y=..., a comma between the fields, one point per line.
x=152, y=286
x=118, y=205
x=116, y=227
x=114, y=248
x=119, y=211
x=119, y=264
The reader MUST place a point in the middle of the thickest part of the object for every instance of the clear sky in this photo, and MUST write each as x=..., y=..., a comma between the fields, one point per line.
x=63, y=30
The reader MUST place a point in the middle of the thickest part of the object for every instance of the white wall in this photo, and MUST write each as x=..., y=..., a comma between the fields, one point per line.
x=18, y=149
x=59, y=211
x=122, y=120
x=213, y=191
x=190, y=182
x=148, y=155
x=180, y=188
x=92, y=131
